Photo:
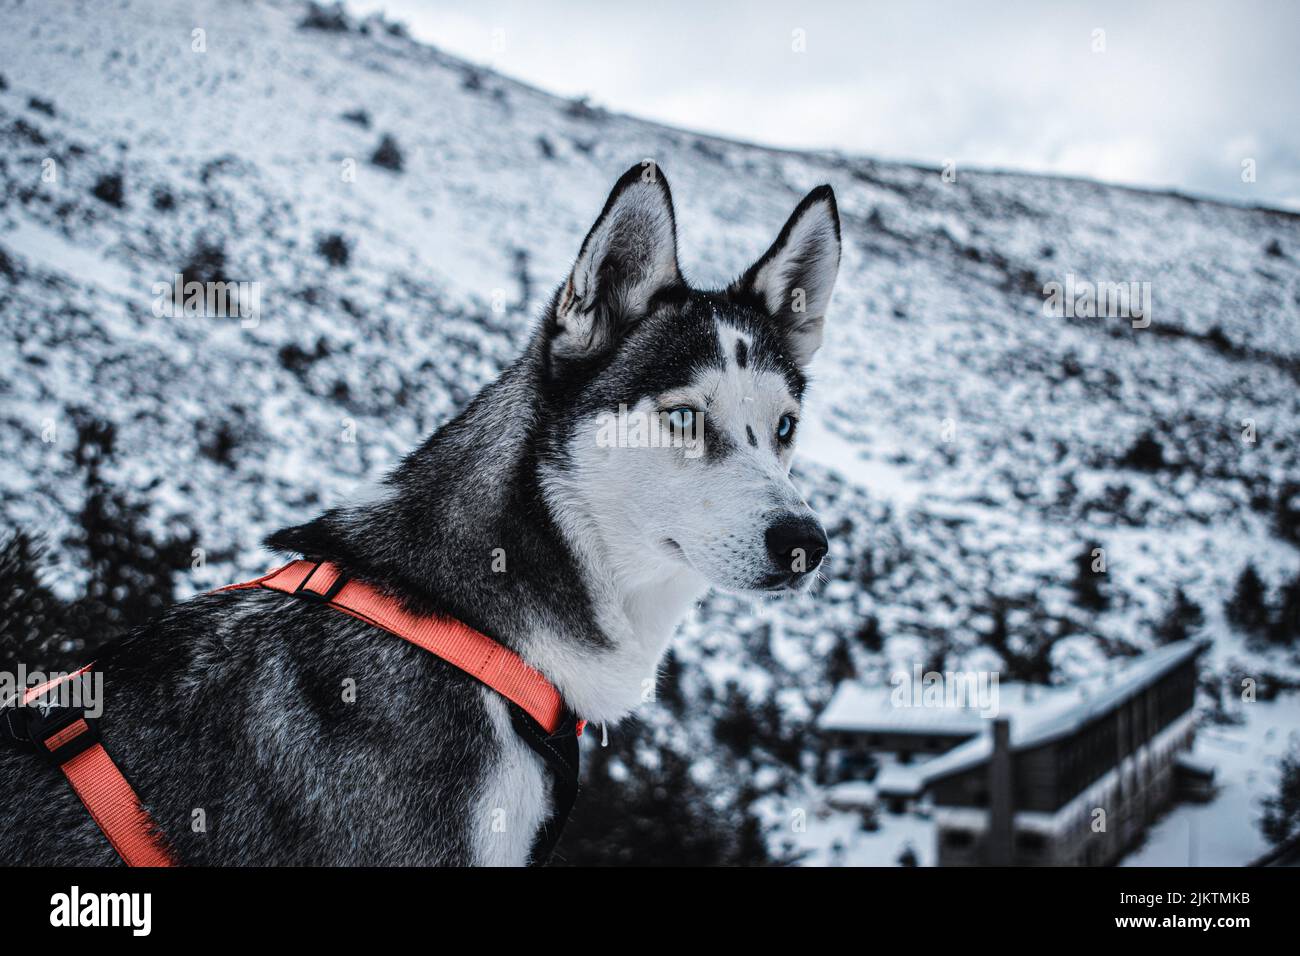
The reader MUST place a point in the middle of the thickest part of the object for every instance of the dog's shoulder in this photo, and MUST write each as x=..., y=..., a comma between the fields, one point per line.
x=302, y=735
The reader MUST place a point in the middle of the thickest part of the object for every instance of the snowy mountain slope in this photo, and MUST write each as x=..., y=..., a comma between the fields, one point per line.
x=963, y=447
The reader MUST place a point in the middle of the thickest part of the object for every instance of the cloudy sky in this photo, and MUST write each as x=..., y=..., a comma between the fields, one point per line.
x=1177, y=93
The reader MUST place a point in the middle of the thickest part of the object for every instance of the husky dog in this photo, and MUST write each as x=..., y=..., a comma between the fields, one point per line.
x=535, y=517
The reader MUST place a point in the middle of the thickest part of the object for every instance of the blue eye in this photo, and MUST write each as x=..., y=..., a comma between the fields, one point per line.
x=682, y=419
x=785, y=428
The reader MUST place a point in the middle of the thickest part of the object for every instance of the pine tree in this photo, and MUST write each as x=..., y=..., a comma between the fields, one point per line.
x=642, y=806
x=1284, y=625
x=1089, y=583
x=1247, y=608
x=839, y=663
x=1281, y=819
x=1181, y=621
x=869, y=635
x=32, y=618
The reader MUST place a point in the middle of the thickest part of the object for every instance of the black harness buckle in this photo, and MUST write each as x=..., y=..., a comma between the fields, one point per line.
x=55, y=731
x=320, y=597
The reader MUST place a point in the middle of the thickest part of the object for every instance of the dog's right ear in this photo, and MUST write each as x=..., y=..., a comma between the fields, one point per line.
x=629, y=255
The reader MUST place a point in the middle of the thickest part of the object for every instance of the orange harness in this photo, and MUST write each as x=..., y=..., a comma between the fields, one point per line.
x=70, y=739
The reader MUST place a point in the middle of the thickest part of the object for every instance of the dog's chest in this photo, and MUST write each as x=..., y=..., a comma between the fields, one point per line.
x=514, y=797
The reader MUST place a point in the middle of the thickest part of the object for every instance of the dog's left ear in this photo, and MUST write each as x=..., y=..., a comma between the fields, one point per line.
x=793, y=280
x=629, y=255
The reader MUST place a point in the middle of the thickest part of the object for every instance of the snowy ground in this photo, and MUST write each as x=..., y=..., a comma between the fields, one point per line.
x=961, y=446
x=1222, y=832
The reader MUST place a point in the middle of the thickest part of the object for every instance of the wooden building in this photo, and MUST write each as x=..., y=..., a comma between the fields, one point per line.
x=1057, y=775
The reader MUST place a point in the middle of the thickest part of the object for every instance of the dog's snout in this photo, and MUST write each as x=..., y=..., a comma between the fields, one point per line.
x=796, y=544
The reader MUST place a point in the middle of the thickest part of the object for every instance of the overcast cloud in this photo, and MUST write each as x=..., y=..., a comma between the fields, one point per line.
x=1183, y=93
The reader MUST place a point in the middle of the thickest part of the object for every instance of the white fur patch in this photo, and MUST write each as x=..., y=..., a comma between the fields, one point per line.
x=618, y=508
x=514, y=801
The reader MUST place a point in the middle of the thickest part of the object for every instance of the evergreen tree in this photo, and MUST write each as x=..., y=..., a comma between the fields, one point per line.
x=1183, y=619
x=641, y=806
x=669, y=688
x=1281, y=820
x=839, y=663
x=1089, y=583
x=1284, y=626
x=869, y=635
x=1247, y=608
x=32, y=618
x=130, y=571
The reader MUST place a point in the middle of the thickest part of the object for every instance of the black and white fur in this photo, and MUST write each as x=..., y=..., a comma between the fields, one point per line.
x=230, y=708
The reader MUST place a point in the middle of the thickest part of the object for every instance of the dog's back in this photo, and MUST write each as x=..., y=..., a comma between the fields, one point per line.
x=258, y=728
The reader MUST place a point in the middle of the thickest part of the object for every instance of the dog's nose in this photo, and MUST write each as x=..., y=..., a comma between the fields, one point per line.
x=796, y=544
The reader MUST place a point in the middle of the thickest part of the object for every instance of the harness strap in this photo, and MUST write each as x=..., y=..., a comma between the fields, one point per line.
x=69, y=739
x=476, y=654
x=537, y=710
x=562, y=755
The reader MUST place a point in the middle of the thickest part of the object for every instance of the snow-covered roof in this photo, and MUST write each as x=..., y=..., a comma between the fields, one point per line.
x=851, y=793
x=899, y=780
x=1043, y=716
x=858, y=708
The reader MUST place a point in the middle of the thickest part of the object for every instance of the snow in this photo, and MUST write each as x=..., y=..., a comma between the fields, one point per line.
x=959, y=445
x=1225, y=832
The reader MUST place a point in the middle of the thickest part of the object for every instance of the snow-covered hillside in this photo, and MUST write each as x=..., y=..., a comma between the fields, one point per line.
x=963, y=447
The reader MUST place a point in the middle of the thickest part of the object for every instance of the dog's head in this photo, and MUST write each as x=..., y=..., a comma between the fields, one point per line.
x=676, y=411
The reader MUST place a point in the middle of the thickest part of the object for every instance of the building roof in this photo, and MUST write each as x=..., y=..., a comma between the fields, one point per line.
x=859, y=708
x=1037, y=715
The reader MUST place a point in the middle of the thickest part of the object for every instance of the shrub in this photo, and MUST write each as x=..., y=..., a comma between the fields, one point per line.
x=207, y=263
x=358, y=116
x=327, y=17
x=111, y=189
x=334, y=249
x=1146, y=454
x=580, y=108
x=388, y=154
x=1286, y=512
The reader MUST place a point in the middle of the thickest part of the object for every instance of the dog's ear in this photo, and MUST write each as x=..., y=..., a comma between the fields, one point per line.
x=629, y=255
x=793, y=279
